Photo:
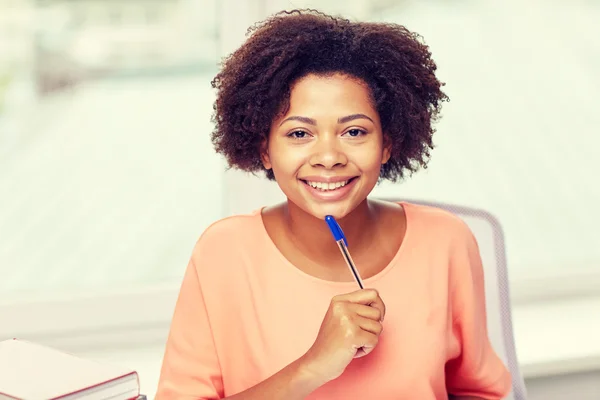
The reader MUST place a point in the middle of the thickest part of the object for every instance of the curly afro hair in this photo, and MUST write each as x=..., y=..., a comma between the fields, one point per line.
x=253, y=86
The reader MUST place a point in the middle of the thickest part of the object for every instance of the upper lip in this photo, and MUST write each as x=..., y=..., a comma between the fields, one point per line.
x=327, y=179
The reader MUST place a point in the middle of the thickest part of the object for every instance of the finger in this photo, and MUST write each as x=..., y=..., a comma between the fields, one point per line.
x=362, y=296
x=378, y=303
x=370, y=312
x=365, y=343
x=369, y=325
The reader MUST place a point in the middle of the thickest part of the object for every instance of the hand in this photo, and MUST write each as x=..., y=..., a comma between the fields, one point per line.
x=350, y=329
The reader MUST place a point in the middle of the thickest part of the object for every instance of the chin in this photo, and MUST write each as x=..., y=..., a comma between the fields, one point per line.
x=320, y=211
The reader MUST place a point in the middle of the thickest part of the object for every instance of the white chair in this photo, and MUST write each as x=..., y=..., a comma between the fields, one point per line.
x=490, y=238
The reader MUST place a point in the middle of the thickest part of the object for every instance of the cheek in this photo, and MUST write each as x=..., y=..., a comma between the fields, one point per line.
x=284, y=160
x=374, y=164
x=369, y=161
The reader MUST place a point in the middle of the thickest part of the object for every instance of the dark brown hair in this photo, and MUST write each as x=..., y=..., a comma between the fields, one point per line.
x=253, y=86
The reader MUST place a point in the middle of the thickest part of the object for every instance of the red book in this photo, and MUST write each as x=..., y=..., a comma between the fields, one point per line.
x=29, y=371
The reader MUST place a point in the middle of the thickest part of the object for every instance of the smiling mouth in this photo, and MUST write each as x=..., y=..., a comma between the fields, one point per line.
x=327, y=186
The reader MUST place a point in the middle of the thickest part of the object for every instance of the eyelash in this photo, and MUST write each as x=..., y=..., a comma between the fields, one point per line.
x=291, y=135
x=361, y=132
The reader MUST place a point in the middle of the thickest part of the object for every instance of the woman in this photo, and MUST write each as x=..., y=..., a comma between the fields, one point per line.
x=267, y=307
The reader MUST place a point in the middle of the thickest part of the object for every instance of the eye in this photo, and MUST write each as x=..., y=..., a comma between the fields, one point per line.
x=355, y=132
x=297, y=135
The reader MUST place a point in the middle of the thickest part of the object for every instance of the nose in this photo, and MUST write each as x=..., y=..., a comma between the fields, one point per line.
x=327, y=153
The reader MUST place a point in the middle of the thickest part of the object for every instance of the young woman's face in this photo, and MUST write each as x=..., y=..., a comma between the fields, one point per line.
x=326, y=152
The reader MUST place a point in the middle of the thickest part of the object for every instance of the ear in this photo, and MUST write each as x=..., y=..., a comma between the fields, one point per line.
x=387, y=149
x=264, y=154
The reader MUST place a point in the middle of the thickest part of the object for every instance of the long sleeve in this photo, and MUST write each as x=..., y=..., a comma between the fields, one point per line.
x=190, y=368
x=477, y=370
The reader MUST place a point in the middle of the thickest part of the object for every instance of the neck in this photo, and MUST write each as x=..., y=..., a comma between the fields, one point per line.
x=312, y=234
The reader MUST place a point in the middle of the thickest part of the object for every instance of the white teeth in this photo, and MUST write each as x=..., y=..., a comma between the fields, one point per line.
x=327, y=186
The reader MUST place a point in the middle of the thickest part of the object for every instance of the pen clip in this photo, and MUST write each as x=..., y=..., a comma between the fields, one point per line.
x=335, y=229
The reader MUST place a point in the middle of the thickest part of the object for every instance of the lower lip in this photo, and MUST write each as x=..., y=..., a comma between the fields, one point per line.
x=330, y=195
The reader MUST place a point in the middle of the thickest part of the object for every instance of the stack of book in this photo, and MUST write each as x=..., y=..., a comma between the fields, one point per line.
x=30, y=371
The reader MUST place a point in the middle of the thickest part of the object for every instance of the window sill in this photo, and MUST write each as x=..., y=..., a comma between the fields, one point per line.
x=552, y=337
x=558, y=337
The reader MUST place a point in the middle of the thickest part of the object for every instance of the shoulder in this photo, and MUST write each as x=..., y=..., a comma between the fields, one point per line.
x=222, y=236
x=430, y=220
x=448, y=235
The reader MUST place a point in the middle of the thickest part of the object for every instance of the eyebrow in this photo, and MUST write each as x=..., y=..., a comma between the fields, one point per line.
x=341, y=120
x=306, y=120
x=352, y=117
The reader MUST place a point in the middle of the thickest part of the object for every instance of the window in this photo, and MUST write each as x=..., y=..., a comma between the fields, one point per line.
x=107, y=173
x=115, y=15
x=510, y=140
x=108, y=177
x=152, y=13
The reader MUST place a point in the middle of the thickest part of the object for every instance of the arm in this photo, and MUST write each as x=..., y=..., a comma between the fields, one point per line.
x=191, y=368
x=293, y=382
x=190, y=347
x=352, y=323
x=476, y=372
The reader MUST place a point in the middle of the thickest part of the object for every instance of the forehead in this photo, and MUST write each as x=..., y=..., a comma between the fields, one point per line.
x=323, y=94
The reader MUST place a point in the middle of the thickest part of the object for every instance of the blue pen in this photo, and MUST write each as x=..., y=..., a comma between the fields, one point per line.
x=340, y=239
